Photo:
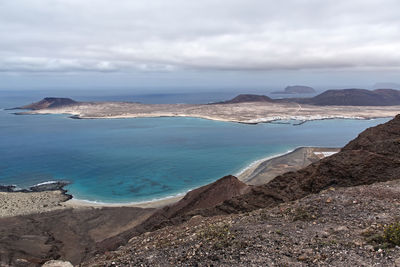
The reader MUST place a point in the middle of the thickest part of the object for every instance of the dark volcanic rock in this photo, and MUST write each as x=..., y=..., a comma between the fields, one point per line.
x=7, y=188
x=49, y=186
x=248, y=98
x=354, y=97
x=296, y=89
x=50, y=102
x=201, y=198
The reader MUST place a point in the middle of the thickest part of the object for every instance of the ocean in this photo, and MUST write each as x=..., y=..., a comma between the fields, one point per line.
x=142, y=159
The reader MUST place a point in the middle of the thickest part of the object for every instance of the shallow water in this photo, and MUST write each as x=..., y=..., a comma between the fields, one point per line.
x=130, y=160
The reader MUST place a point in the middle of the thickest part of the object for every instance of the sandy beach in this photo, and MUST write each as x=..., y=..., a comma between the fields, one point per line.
x=76, y=203
x=264, y=170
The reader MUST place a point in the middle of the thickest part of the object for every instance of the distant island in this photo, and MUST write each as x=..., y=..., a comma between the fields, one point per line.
x=296, y=89
x=387, y=85
x=244, y=108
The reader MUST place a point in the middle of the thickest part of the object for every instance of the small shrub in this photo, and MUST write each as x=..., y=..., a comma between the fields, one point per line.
x=391, y=234
x=301, y=214
x=219, y=235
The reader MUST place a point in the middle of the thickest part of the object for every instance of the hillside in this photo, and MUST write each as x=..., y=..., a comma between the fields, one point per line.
x=49, y=102
x=337, y=227
x=343, y=97
x=247, y=98
x=354, y=97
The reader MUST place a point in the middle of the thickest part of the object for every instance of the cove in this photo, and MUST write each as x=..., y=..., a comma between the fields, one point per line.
x=133, y=160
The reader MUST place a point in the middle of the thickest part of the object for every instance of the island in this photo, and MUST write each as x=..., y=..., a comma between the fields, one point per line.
x=245, y=108
x=296, y=89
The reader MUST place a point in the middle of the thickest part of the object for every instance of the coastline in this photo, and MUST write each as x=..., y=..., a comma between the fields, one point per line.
x=156, y=203
x=246, y=171
x=264, y=170
x=161, y=202
x=48, y=200
x=300, y=119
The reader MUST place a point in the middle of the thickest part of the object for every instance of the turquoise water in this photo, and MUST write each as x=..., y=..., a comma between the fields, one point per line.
x=130, y=160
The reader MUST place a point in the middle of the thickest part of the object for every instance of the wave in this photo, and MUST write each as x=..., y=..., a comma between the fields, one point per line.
x=154, y=200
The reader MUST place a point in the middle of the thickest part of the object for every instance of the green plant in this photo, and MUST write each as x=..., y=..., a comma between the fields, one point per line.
x=219, y=235
x=391, y=234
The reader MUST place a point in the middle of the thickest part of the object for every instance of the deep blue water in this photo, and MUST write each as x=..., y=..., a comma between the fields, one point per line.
x=129, y=160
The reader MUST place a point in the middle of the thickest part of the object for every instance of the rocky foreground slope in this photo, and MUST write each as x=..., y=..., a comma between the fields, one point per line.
x=337, y=227
x=213, y=235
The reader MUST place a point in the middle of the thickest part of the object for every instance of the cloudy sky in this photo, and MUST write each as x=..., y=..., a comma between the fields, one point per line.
x=127, y=43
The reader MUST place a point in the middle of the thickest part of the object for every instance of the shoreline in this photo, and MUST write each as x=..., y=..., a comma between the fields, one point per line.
x=67, y=200
x=244, y=112
x=242, y=175
x=300, y=119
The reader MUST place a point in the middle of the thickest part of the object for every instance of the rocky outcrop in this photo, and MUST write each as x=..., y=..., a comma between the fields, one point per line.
x=296, y=89
x=46, y=186
x=50, y=102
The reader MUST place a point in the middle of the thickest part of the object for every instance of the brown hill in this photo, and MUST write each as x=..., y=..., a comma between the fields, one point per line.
x=242, y=98
x=201, y=198
x=50, y=102
x=343, y=97
x=354, y=97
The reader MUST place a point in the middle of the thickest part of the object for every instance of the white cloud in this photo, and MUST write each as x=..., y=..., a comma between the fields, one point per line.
x=159, y=35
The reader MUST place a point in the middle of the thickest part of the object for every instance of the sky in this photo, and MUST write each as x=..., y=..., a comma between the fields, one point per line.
x=198, y=44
